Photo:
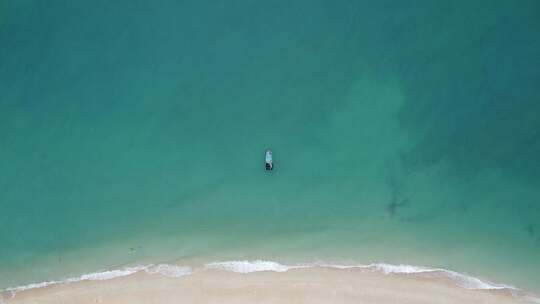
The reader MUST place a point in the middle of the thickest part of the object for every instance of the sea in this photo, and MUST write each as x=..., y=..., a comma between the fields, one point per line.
x=403, y=132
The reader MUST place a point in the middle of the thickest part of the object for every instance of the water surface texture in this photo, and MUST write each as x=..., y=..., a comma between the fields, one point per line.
x=402, y=132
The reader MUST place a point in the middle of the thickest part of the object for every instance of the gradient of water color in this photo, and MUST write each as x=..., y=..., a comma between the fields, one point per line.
x=133, y=131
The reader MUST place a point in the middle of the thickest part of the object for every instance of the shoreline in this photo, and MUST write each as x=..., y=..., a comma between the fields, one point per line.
x=385, y=283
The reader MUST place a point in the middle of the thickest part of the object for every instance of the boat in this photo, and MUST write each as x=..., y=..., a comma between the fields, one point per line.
x=269, y=165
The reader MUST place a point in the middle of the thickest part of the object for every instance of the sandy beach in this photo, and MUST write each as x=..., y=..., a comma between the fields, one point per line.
x=314, y=285
x=405, y=140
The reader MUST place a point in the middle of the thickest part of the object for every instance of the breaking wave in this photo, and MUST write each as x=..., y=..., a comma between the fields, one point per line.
x=246, y=266
x=254, y=266
x=460, y=279
x=173, y=271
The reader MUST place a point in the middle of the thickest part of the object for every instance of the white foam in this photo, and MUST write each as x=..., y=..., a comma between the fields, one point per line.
x=96, y=276
x=469, y=282
x=107, y=275
x=251, y=266
x=461, y=280
x=245, y=266
x=383, y=267
x=31, y=286
x=407, y=269
x=171, y=271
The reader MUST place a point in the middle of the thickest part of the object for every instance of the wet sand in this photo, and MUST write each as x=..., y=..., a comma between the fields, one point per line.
x=318, y=285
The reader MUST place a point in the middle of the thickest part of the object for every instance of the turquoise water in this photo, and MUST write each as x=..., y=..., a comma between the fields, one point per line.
x=402, y=132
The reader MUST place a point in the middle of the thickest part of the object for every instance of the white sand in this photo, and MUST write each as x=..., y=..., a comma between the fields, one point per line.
x=314, y=285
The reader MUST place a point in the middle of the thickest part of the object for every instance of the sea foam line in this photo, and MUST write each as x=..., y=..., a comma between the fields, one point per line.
x=172, y=271
x=246, y=266
x=252, y=266
x=462, y=280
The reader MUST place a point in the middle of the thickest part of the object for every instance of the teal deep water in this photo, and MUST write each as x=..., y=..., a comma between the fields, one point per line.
x=402, y=131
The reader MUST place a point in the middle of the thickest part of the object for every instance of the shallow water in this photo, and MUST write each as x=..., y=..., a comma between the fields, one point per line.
x=404, y=133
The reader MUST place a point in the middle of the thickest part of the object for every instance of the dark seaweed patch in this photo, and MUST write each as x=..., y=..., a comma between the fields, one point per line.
x=397, y=200
x=530, y=230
